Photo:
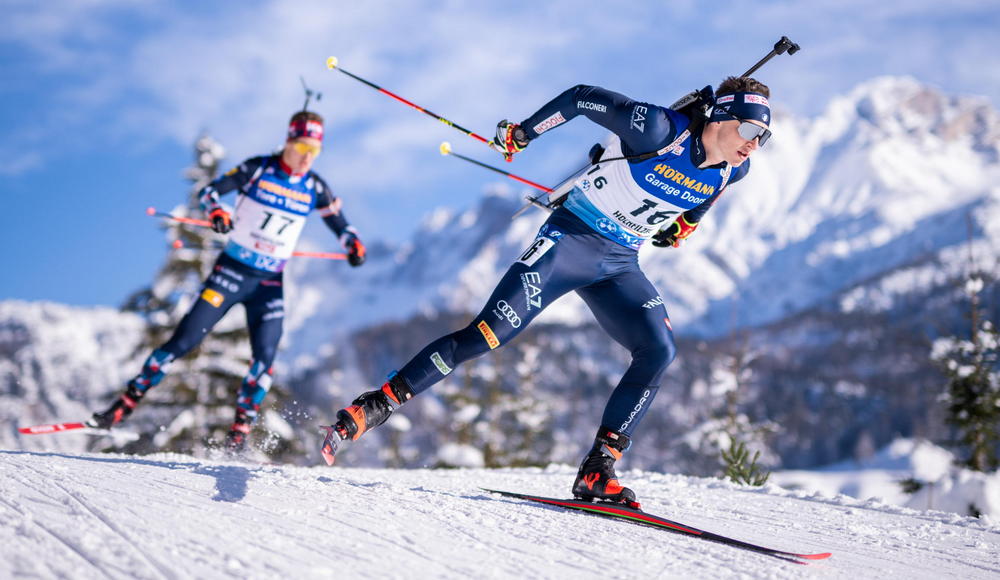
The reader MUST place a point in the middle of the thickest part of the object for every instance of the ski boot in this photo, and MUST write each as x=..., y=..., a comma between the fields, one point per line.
x=368, y=411
x=596, y=479
x=236, y=439
x=118, y=411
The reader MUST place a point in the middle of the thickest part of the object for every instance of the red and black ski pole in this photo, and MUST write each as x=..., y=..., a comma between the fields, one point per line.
x=151, y=211
x=446, y=150
x=332, y=64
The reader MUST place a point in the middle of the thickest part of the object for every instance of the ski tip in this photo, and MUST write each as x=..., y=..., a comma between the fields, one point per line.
x=53, y=428
x=822, y=556
x=150, y=210
x=331, y=62
x=445, y=148
x=329, y=448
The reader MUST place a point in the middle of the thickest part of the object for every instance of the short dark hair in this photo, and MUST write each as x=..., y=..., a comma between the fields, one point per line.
x=306, y=116
x=733, y=85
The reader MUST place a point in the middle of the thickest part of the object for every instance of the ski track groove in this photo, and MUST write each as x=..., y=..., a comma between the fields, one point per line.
x=154, y=564
x=423, y=507
x=355, y=517
x=73, y=548
x=32, y=521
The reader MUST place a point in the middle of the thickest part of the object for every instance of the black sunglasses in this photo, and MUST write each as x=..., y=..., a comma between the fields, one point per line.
x=751, y=131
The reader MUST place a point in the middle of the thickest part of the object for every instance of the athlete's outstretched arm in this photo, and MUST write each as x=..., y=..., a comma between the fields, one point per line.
x=641, y=126
x=235, y=178
x=329, y=206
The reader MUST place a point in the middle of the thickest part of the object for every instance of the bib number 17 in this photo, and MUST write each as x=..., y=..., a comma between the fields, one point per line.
x=287, y=221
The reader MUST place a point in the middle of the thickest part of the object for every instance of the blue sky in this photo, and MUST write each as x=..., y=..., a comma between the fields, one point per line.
x=102, y=99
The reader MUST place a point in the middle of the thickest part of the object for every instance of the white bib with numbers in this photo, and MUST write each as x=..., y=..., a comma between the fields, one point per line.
x=266, y=230
x=629, y=202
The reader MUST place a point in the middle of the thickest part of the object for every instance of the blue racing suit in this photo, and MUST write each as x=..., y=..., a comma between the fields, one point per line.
x=589, y=245
x=268, y=218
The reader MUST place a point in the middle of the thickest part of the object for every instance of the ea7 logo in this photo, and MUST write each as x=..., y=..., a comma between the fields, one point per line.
x=531, y=282
x=639, y=118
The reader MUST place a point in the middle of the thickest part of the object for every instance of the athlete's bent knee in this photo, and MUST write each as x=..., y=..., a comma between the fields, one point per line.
x=658, y=356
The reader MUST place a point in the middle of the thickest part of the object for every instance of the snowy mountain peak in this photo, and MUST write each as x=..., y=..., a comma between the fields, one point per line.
x=902, y=106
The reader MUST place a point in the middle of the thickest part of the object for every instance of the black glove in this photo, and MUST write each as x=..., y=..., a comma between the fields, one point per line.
x=510, y=139
x=675, y=234
x=355, y=251
x=222, y=223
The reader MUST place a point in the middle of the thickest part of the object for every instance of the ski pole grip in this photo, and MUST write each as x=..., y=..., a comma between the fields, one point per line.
x=785, y=44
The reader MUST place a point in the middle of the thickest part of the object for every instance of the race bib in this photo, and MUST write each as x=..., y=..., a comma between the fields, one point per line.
x=266, y=230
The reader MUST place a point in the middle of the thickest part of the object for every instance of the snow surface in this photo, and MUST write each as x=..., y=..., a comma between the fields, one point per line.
x=68, y=515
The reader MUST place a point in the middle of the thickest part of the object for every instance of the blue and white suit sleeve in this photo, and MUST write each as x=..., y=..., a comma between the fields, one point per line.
x=329, y=207
x=235, y=178
x=642, y=127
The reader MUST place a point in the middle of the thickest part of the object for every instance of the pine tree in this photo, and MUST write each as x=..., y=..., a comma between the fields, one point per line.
x=972, y=395
x=741, y=469
x=732, y=374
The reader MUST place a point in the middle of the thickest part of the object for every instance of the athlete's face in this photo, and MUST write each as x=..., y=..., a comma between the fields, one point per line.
x=733, y=148
x=300, y=153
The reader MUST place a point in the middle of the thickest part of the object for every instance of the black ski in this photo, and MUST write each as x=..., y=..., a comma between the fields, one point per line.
x=637, y=516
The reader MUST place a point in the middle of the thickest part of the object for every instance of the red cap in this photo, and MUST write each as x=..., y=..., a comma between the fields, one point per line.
x=304, y=128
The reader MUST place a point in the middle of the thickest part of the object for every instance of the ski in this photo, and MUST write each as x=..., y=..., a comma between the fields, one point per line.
x=81, y=427
x=53, y=428
x=637, y=516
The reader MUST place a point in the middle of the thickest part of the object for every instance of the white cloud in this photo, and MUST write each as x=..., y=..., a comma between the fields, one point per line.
x=18, y=162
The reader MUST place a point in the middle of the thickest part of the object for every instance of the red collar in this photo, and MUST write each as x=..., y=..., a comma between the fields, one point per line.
x=288, y=170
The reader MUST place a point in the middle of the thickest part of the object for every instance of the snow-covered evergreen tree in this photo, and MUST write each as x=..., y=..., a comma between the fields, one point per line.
x=729, y=427
x=972, y=396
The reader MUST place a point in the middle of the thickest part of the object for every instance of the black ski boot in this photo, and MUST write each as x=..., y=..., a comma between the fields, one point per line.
x=236, y=439
x=118, y=411
x=596, y=479
x=368, y=411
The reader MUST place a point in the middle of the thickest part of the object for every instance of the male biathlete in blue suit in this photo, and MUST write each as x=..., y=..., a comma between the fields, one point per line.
x=276, y=193
x=589, y=245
